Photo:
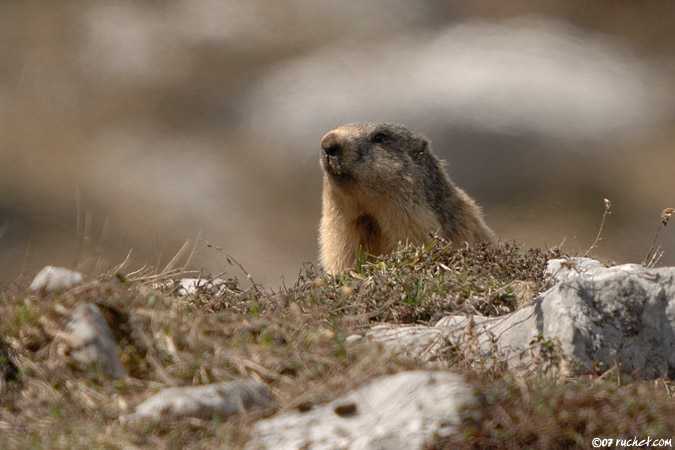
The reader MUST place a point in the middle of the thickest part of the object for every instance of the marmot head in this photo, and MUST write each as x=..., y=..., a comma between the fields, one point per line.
x=375, y=157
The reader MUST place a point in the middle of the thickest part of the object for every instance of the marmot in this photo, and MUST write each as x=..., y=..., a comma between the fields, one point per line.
x=383, y=185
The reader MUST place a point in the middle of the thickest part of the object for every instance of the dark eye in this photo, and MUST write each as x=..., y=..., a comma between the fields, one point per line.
x=379, y=137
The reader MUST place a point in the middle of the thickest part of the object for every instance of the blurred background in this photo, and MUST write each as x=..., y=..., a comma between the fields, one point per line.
x=139, y=125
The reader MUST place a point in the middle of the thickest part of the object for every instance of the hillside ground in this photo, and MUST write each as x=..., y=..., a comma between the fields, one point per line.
x=294, y=339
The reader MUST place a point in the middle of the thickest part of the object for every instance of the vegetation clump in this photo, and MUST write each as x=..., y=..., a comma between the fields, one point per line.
x=547, y=413
x=422, y=284
x=295, y=340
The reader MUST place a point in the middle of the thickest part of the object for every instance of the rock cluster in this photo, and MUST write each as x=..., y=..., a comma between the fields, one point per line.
x=593, y=318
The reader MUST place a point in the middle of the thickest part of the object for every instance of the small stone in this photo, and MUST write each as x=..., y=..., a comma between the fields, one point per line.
x=52, y=278
x=353, y=338
x=223, y=400
x=90, y=342
x=193, y=286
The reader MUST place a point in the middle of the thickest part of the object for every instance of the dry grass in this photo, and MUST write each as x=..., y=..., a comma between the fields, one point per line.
x=294, y=340
x=545, y=413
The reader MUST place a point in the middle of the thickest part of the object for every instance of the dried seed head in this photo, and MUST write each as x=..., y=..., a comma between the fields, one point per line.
x=665, y=215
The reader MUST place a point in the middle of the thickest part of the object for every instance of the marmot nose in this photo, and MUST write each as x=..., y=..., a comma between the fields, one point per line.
x=330, y=145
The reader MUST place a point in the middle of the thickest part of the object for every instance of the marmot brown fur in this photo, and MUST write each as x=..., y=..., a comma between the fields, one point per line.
x=383, y=185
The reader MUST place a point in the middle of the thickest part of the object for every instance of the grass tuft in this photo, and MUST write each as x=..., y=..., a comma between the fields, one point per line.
x=294, y=339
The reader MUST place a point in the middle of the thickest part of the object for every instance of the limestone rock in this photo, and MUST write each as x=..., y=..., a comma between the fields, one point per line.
x=595, y=316
x=623, y=314
x=224, y=400
x=192, y=286
x=51, y=279
x=402, y=411
x=90, y=341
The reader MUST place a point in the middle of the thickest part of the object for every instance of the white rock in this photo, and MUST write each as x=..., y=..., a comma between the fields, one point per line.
x=51, y=279
x=224, y=400
x=595, y=316
x=353, y=338
x=402, y=411
x=191, y=286
x=623, y=314
x=91, y=343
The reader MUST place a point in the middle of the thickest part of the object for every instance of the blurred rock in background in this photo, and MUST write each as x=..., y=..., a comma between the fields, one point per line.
x=139, y=125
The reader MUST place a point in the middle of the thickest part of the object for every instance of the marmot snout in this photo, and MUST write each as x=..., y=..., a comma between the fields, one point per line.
x=383, y=185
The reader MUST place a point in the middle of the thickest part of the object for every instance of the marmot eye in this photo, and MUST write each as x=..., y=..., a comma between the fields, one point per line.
x=379, y=137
